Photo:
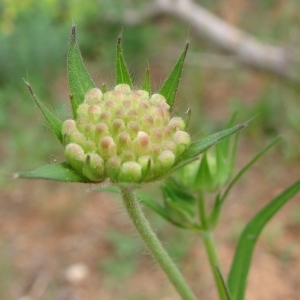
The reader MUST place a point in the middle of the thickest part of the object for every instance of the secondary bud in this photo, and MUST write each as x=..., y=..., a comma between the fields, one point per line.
x=93, y=96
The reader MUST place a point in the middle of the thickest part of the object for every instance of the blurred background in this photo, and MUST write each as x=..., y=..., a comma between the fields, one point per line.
x=60, y=241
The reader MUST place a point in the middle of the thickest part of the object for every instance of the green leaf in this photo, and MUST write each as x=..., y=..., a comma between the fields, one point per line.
x=146, y=85
x=80, y=81
x=241, y=263
x=170, y=86
x=200, y=146
x=54, y=123
x=122, y=74
x=58, y=172
x=247, y=166
x=149, y=202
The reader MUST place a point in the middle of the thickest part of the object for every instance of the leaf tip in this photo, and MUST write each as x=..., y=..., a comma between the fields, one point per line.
x=73, y=33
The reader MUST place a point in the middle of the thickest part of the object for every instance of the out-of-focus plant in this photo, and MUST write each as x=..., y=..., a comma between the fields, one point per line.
x=126, y=138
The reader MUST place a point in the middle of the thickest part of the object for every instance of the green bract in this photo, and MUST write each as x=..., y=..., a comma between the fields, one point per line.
x=122, y=135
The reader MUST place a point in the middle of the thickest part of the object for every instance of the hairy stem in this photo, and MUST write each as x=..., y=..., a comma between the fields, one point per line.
x=155, y=247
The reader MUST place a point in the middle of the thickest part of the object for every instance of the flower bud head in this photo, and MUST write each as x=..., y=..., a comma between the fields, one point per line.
x=123, y=136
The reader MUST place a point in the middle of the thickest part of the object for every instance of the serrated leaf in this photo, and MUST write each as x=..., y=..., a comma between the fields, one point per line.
x=243, y=255
x=54, y=123
x=201, y=145
x=122, y=73
x=58, y=172
x=146, y=85
x=80, y=81
x=170, y=86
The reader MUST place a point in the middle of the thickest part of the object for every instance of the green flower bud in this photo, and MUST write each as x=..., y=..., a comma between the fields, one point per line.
x=82, y=110
x=93, y=167
x=75, y=156
x=166, y=160
x=130, y=171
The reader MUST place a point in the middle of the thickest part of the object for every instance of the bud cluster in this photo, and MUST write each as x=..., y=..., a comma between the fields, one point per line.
x=124, y=136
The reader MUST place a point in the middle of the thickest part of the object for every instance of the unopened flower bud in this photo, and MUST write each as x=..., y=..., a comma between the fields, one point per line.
x=107, y=147
x=141, y=143
x=82, y=110
x=176, y=124
x=166, y=160
x=130, y=171
x=68, y=127
x=75, y=156
x=182, y=140
x=112, y=167
x=94, y=112
x=93, y=167
x=93, y=96
x=125, y=88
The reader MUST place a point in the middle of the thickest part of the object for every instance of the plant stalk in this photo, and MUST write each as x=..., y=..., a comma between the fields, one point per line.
x=214, y=262
x=155, y=247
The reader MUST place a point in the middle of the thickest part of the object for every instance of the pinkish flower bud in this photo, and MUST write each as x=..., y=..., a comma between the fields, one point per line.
x=141, y=143
x=94, y=112
x=68, y=127
x=107, y=147
x=93, y=96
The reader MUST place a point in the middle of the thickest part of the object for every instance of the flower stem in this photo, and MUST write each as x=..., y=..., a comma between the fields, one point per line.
x=210, y=248
x=214, y=263
x=155, y=247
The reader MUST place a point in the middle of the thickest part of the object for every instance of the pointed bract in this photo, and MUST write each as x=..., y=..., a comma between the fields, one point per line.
x=146, y=85
x=58, y=172
x=170, y=86
x=54, y=123
x=80, y=81
x=122, y=73
x=200, y=146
